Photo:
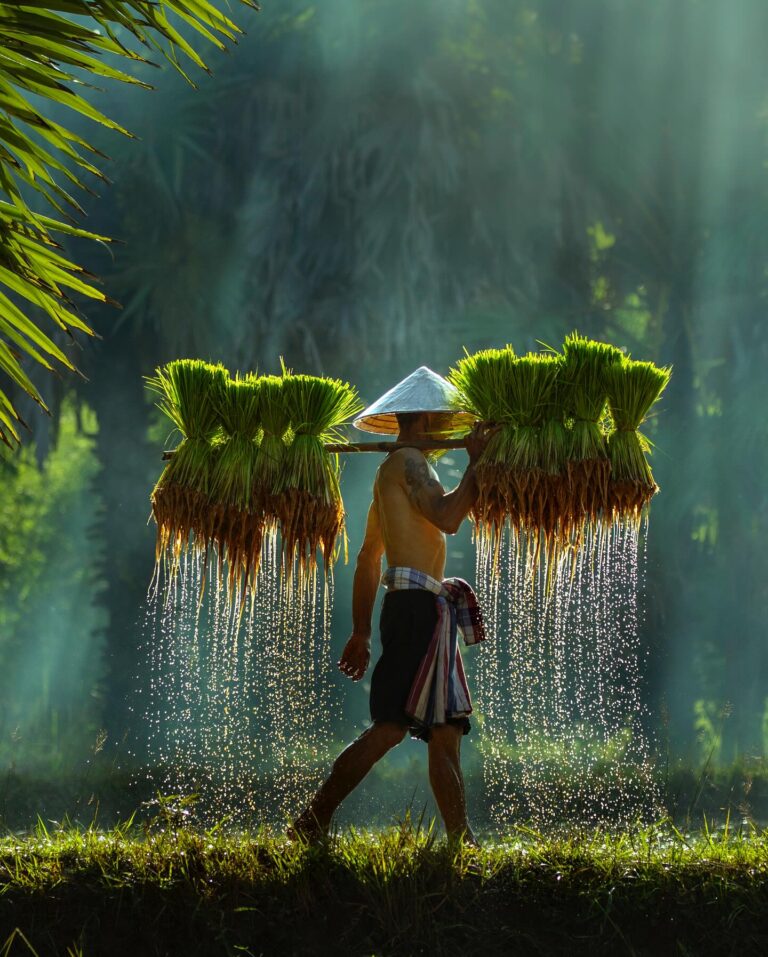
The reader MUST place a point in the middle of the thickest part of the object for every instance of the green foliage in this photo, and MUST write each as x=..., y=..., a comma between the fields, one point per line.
x=47, y=53
x=160, y=886
x=51, y=644
x=709, y=718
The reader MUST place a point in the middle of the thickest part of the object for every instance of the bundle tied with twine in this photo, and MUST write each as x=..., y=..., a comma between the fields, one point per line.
x=514, y=472
x=555, y=441
x=180, y=499
x=532, y=384
x=236, y=521
x=269, y=465
x=311, y=511
x=633, y=387
x=585, y=366
x=482, y=380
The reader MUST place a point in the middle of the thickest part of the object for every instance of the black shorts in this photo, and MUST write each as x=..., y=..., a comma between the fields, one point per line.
x=408, y=620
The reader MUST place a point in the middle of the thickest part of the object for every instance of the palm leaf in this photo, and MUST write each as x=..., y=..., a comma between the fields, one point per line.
x=48, y=51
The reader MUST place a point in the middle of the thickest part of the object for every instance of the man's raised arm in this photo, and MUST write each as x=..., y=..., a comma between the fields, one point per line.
x=357, y=652
x=446, y=510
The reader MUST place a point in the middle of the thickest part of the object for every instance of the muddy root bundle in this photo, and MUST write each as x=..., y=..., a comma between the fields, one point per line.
x=632, y=387
x=310, y=509
x=180, y=503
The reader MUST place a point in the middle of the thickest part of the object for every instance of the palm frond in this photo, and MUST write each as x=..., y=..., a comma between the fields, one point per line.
x=48, y=53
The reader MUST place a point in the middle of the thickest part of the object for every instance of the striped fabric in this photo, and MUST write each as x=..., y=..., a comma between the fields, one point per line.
x=439, y=690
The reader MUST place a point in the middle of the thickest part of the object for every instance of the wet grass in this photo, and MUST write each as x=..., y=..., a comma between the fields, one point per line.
x=158, y=889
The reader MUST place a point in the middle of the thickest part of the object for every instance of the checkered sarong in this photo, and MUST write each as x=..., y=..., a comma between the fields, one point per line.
x=439, y=690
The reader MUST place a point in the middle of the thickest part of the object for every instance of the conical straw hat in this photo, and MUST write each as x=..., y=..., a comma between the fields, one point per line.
x=421, y=391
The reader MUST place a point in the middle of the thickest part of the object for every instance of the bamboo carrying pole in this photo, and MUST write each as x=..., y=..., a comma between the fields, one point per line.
x=425, y=445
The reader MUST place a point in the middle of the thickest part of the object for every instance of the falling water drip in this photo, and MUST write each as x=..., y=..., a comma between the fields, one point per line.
x=238, y=705
x=565, y=727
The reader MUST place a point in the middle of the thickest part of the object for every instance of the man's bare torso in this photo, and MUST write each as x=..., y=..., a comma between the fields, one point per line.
x=409, y=538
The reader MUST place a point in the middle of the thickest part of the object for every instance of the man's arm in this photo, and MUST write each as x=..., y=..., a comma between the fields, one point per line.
x=357, y=652
x=444, y=509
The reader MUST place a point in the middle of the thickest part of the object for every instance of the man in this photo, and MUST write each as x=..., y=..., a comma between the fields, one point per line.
x=418, y=683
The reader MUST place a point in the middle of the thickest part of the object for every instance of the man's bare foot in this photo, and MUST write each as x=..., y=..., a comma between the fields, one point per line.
x=307, y=829
x=465, y=836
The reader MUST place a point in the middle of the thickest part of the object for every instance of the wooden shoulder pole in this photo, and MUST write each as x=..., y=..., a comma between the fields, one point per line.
x=424, y=445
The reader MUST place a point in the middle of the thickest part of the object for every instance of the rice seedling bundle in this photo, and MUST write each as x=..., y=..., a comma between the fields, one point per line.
x=311, y=510
x=235, y=525
x=515, y=393
x=585, y=364
x=530, y=393
x=180, y=503
x=633, y=387
x=555, y=442
x=269, y=464
x=483, y=380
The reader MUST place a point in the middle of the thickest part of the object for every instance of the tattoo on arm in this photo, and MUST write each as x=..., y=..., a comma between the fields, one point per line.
x=417, y=476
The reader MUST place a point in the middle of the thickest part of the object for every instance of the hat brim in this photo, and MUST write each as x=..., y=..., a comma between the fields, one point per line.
x=445, y=423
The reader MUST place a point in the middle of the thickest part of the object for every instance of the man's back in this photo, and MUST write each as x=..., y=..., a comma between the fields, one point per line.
x=410, y=539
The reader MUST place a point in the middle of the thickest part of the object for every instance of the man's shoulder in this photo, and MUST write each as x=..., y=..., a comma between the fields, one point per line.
x=397, y=471
x=397, y=462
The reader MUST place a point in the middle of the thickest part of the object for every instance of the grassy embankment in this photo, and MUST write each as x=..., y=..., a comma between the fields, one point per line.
x=160, y=890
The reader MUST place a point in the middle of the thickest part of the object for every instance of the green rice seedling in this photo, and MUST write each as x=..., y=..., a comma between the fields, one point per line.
x=311, y=509
x=180, y=499
x=483, y=383
x=236, y=526
x=555, y=444
x=268, y=467
x=555, y=438
x=584, y=373
x=633, y=387
x=515, y=393
x=530, y=392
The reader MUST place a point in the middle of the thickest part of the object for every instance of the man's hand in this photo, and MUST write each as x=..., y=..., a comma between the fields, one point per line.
x=477, y=440
x=355, y=657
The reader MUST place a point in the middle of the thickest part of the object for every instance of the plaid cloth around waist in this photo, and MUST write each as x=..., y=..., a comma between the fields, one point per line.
x=440, y=690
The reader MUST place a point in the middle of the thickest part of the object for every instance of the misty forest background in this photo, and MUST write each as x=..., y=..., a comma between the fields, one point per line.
x=363, y=188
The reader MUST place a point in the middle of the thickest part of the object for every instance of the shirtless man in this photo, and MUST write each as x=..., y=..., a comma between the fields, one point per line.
x=407, y=522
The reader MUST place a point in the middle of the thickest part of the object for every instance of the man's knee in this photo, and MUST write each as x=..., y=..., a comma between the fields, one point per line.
x=388, y=734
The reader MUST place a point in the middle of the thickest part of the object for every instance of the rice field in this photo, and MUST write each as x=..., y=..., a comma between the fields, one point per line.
x=159, y=888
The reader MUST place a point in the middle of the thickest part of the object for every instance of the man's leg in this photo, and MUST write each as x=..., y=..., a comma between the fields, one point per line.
x=349, y=769
x=447, y=780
